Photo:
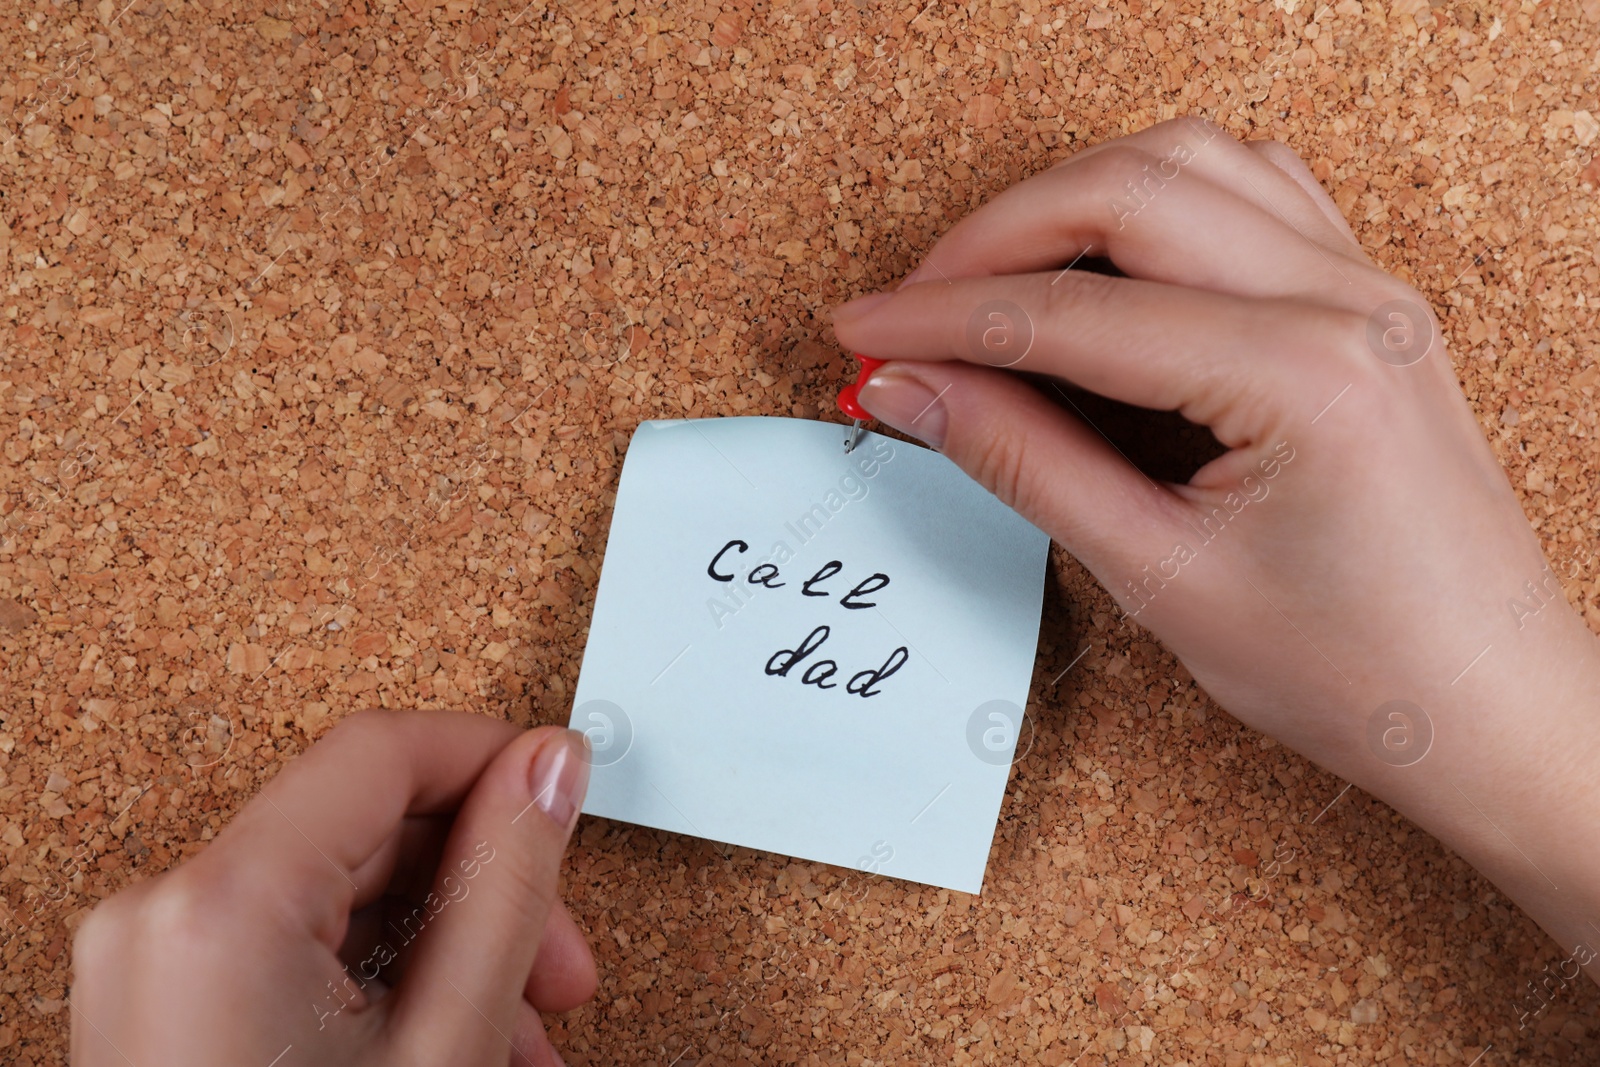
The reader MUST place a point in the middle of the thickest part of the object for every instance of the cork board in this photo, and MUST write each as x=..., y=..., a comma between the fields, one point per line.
x=325, y=323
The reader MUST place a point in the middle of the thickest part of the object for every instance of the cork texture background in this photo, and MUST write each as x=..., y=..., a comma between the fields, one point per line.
x=325, y=325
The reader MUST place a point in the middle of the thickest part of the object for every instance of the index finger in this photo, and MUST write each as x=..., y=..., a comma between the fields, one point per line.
x=1236, y=365
x=305, y=837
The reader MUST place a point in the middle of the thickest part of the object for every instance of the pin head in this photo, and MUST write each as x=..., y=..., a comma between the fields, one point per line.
x=847, y=396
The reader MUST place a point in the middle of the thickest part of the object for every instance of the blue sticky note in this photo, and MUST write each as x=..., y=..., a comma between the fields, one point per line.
x=807, y=652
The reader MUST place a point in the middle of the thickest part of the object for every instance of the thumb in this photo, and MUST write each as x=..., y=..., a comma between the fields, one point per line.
x=461, y=1000
x=1051, y=466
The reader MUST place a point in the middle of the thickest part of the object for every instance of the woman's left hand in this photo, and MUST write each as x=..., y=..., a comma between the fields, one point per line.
x=418, y=850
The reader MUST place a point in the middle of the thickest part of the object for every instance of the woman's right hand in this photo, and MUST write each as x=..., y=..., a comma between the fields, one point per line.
x=1358, y=544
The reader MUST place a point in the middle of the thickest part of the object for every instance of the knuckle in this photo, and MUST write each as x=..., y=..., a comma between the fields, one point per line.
x=179, y=912
x=1333, y=342
x=1076, y=290
x=1390, y=323
x=998, y=462
x=1074, y=301
x=1342, y=334
x=1361, y=344
x=189, y=902
x=369, y=730
x=1118, y=166
x=531, y=887
x=1180, y=130
x=1282, y=149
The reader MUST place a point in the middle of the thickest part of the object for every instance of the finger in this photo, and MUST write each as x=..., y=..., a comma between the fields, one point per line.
x=531, y=1045
x=1252, y=176
x=1284, y=158
x=563, y=975
x=1238, y=366
x=405, y=862
x=1240, y=169
x=326, y=815
x=1053, y=469
x=1151, y=216
x=493, y=899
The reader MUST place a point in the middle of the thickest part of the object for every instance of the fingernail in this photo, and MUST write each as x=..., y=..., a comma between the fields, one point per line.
x=860, y=306
x=905, y=403
x=559, y=776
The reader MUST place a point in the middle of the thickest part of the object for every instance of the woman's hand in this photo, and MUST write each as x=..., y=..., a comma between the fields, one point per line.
x=1357, y=546
x=418, y=850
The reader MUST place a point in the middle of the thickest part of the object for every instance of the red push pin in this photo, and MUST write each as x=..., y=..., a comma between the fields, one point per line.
x=851, y=406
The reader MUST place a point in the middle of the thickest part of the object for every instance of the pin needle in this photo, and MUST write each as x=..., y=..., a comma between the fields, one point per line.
x=854, y=438
x=852, y=407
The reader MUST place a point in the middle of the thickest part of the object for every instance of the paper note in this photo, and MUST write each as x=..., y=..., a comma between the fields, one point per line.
x=807, y=652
